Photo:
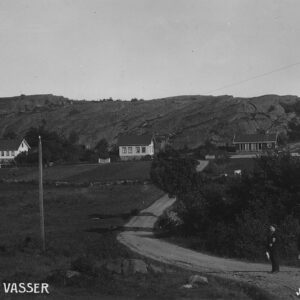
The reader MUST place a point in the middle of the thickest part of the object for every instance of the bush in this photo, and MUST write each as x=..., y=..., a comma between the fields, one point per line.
x=169, y=222
x=83, y=264
x=231, y=217
x=173, y=173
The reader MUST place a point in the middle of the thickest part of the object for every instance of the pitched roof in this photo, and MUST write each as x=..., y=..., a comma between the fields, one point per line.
x=10, y=145
x=135, y=140
x=255, y=138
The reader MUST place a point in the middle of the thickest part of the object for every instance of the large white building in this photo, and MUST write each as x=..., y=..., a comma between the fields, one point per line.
x=135, y=146
x=9, y=149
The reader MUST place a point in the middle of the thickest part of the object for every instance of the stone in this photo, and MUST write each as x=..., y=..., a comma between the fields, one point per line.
x=98, y=266
x=195, y=280
x=155, y=269
x=114, y=266
x=133, y=266
x=71, y=274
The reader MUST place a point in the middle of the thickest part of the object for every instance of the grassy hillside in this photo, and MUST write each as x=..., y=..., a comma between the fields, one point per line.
x=189, y=120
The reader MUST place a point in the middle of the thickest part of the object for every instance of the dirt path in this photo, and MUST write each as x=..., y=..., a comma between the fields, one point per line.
x=139, y=238
x=202, y=165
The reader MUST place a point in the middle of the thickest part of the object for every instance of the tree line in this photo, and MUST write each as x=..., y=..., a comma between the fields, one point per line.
x=57, y=148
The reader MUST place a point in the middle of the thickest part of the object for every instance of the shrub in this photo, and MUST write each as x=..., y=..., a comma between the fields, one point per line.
x=83, y=264
x=231, y=217
x=173, y=173
x=169, y=222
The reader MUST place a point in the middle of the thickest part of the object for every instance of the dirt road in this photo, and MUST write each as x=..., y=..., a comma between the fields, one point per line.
x=139, y=237
x=202, y=165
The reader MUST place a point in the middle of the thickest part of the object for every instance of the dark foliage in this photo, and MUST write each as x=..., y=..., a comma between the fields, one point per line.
x=9, y=135
x=294, y=131
x=114, y=152
x=231, y=217
x=173, y=173
x=102, y=149
x=56, y=148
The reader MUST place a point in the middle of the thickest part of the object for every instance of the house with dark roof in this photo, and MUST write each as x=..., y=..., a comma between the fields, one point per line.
x=11, y=148
x=256, y=142
x=135, y=146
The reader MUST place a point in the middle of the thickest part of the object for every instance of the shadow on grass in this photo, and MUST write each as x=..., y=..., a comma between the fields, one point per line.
x=123, y=216
x=104, y=229
x=119, y=228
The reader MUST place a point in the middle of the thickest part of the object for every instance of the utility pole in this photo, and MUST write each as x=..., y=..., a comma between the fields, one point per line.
x=41, y=200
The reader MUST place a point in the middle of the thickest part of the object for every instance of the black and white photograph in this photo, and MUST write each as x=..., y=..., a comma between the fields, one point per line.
x=149, y=149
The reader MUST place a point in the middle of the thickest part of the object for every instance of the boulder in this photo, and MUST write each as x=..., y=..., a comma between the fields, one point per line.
x=98, y=266
x=133, y=266
x=196, y=280
x=155, y=269
x=114, y=266
x=71, y=274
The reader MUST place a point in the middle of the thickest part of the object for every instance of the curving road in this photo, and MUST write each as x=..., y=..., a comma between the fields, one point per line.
x=139, y=237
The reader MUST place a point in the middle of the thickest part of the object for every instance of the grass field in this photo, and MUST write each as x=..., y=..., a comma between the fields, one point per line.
x=135, y=170
x=228, y=167
x=82, y=223
x=239, y=164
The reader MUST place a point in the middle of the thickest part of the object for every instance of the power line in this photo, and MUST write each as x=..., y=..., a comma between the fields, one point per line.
x=254, y=77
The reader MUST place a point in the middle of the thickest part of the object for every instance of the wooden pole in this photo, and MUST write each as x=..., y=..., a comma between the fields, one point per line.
x=41, y=200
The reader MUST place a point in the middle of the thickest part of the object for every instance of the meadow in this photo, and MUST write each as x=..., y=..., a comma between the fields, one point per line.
x=137, y=170
x=81, y=224
x=229, y=166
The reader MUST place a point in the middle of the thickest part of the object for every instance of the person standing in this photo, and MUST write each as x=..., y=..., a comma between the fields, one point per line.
x=272, y=249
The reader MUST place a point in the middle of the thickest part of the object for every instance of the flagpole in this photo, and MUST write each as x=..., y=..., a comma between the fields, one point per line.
x=41, y=200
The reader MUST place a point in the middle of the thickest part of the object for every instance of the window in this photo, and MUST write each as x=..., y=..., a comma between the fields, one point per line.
x=137, y=149
x=124, y=150
x=143, y=149
x=12, y=153
x=129, y=149
x=1, y=153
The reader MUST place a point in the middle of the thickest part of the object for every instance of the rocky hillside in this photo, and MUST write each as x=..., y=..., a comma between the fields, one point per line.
x=188, y=120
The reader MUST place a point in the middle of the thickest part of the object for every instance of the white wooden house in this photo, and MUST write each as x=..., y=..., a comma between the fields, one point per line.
x=9, y=149
x=135, y=146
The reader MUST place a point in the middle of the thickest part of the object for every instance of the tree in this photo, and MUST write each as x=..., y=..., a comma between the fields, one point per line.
x=174, y=173
x=231, y=217
x=114, y=152
x=101, y=148
x=10, y=135
x=73, y=137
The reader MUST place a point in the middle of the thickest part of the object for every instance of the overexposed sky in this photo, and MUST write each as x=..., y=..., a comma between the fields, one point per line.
x=91, y=49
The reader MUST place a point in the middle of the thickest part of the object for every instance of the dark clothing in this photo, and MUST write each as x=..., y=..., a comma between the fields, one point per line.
x=272, y=248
